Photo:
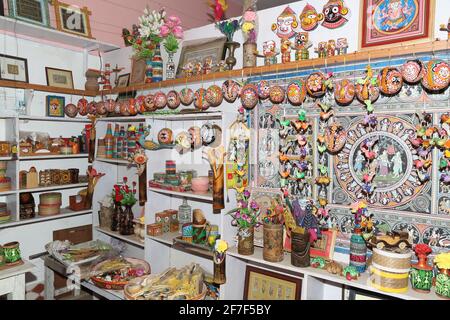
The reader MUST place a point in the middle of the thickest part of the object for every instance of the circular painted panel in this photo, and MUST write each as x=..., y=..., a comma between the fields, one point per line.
x=392, y=17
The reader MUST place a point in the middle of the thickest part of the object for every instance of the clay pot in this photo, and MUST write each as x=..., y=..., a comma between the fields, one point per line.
x=110, y=105
x=92, y=108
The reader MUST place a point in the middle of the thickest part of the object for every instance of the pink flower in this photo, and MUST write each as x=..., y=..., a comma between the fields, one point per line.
x=249, y=16
x=174, y=20
x=178, y=32
x=165, y=31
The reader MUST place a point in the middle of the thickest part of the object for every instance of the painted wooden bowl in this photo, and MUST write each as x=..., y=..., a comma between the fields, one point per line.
x=173, y=99
x=371, y=92
x=296, y=92
x=100, y=108
x=412, y=71
x=390, y=81
x=263, y=89
x=344, y=92
x=315, y=85
x=139, y=104
x=436, y=75
x=71, y=110
x=160, y=100
x=149, y=103
x=277, y=94
x=249, y=96
x=214, y=96
x=165, y=136
x=231, y=90
x=92, y=107
x=200, y=99
x=124, y=110
x=110, y=105
x=132, y=107
x=82, y=106
x=186, y=96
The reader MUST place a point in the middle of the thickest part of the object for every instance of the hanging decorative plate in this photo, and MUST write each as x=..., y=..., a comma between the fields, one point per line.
x=110, y=105
x=296, y=92
x=412, y=71
x=186, y=96
x=118, y=108
x=344, y=92
x=436, y=75
x=100, y=108
x=92, y=108
x=82, y=106
x=200, y=99
x=149, y=103
x=214, y=95
x=132, y=110
x=390, y=81
x=370, y=92
x=195, y=137
x=263, y=89
x=183, y=142
x=315, y=84
x=139, y=104
x=160, y=100
x=208, y=134
x=124, y=110
x=173, y=99
x=231, y=90
x=249, y=96
x=277, y=94
x=71, y=110
x=165, y=136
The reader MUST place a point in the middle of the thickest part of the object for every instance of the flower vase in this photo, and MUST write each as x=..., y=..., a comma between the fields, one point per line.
x=231, y=48
x=115, y=216
x=148, y=71
x=421, y=275
x=245, y=241
x=170, y=67
x=249, y=56
x=219, y=268
x=126, y=224
x=157, y=65
x=300, y=248
x=358, y=251
x=273, y=242
x=443, y=283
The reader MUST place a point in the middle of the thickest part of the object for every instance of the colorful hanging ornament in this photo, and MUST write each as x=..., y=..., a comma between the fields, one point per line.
x=436, y=75
x=200, y=99
x=214, y=95
x=231, y=90
x=186, y=96
x=390, y=81
x=412, y=71
x=277, y=94
x=344, y=92
x=173, y=99
x=249, y=96
x=335, y=137
x=296, y=92
x=334, y=13
x=149, y=103
x=263, y=89
x=309, y=18
x=317, y=84
x=367, y=91
x=160, y=100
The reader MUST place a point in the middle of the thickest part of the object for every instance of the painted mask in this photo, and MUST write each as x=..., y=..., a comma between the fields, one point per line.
x=286, y=24
x=334, y=13
x=302, y=40
x=309, y=19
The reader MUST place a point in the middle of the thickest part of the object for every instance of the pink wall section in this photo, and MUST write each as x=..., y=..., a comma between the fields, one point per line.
x=110, y=16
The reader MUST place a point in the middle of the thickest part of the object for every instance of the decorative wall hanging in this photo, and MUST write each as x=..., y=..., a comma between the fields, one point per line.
x=270, y=53
x=277, y=94
x=249, y=96
x=436, y=75
x=33, y=11
x=186, y=96
x=173, y=99
x=200, y=101
x=214, y=95
x=412, y=71
x=13, y=68
x=309, y=18
x=389, y=22
x=317, y=83
x=367, y=90
x=72, y=19
x=231, y=90
x=285, y=30
x=55, y=106
x=344, y=92
x=390, y=81
x=296, y=92
x=263, y=89
x=160, y=100
x=334, y=13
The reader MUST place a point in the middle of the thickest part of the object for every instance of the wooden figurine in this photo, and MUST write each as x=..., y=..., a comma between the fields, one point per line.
x=301, y=46
x=285, y=30
x=331, y=48
x=341, y=46
x=321, y=49
x=269, y=53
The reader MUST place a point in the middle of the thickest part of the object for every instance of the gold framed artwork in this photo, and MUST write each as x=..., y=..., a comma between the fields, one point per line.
x=72, y=19
x=261, y=284
x=13, y=68
x=59, y=78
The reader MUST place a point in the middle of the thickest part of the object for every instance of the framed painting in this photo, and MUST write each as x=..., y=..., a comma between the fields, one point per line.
x=123, y=80
x=55, y=106
x=138, y=69
x=13, y=68
x=199, y=50
x=72, y=19
x=59, y=78
x=324, y=247
x=261, y=284
x=386, y=22
x=31, y=11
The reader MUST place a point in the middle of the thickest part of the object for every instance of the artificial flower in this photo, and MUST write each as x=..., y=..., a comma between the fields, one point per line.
x=221, y=246
x=442, y=260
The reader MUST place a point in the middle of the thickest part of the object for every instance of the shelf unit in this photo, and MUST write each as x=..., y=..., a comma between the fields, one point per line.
x=45, y=88
x=131, y=238
x=186, y=194
x=54, y=156
x=65, y=213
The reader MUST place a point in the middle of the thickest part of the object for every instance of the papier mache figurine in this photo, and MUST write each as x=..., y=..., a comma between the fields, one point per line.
x=334, y=13
x=301, y=46
x=321, y=49
x=285, y=30
x=331, y=48
x=207, y=65
x=341, y=46
x=188, y=69
x=269, y=54
x=309, y=18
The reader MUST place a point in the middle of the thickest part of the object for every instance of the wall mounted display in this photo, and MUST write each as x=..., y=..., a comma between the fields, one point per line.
x=261, y=284
x=389, y=22
x=33, y=11
x=195, y=52
x=55, y=106
x=324, y=247
x=138, y=69
x=59, y=78
x=72, y=19
x=123, y=80
x=335, y=14
x=13, y=68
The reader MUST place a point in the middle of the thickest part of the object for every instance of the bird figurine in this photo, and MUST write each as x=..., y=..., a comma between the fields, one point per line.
x=423, y=176
x=219, y=7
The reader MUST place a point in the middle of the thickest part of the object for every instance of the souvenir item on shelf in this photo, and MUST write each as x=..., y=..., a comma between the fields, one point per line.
x=249, y=96
x=199, y=234
x=82, y=107
x=341, y=46
x=200, y=184
x=334, y=13
x=139, y=229
x=195, y=137
x=436, y=75
x=231, y=90
x=331, y=48
x=71, y=110
x=249, y=27
x=300, y=246
x=316, y=84
x=200, y=101
x=390, y=81
x=207, y=65
x=157, y=64
x=309, y=18
x=171, y=167
x=172, y=33
x=220, y=249
x=5, y=214
x=228, y=29
x=412, y=71
x=277, y=94
x=165, y=136
x=186, y=232
x=344, y=92
x=216, y=158
x=160, y=100
x=263, y=89
x=198, y=217
x=154, y=229
x=92, y=83
x=50, y=203
x=296, y=92
x=273, y=232
x=321, y=49
x=421, y=274
x=334, y=267
x=173, y=99
x=183, y=142
x=5, y=149
x=27, y=206
x=5, y=182
x=350, y=273
x=149, y=103
x=318, y=262
x=269, y=53
x=208, y=134
x=214, y=96
x=446, y=28
x=139, y=104
x=100, y=108
x=301, y=46
x=442, y=262
x=126, y=197
x=285, y=30
x=186, y=96
x=184, y=213
x=12, y=254
x=358, y=252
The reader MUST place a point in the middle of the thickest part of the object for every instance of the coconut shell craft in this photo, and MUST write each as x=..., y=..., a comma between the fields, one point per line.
x=370, y=92
x=390, y=81
x=296, y=92
x=139, y=104
x=118, y=107
x=149, y=103
x=344, y=91
x=133, y=107
x=277, y=94
x=124, y=108
x=436, y=75
x=231, y=90
x=412, y=71
x=183, y=142
x=92, y=108
x=263, y=89
x=110, y=105
x=173, y=99
x=165, y=136
x=82, y=107
x=186, y=96
x=100, y=108
x=214, y=96
x=71, y=110
x=200, y=99
x=160, y=100
x=249, y=96
x=195, y=137
x=315, y=85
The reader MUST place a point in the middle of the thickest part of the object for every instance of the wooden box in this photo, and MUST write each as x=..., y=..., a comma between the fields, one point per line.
x=154, y=229
x=164, y=219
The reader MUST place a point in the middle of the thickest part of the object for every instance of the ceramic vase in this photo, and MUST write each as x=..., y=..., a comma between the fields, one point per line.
x=157, y=65
x=273, y=242
x=170, y=66
x=115, y=216
x=245, y=241
x=300, y=247
x=126, y=218
x=443, y=283
x=421, y=275
x=358, y=251
x=231, y=48
x=148, y=71
x=249, y=56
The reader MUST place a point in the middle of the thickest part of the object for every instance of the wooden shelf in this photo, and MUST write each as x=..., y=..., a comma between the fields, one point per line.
x=6, y=193
x=66, y=119
x=131, y=239
x=6, y=159
x=186, y=194
x=54, y=156
x=357, y=56
x=65, y=213
x=167, y=117
x=57, y=187
x=115, y=161
x=168, y=239
x=44, y=88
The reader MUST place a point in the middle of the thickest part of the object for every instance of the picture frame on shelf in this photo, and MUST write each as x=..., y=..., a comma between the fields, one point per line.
x=380, y=31
x=13, y=68
x=123, y=80
x=261, y=284
x=138, y=68
x=31, y=11
x=55, y=106
x=72, y=19
x=198, y=50
x=59, y=78
x=324, y=247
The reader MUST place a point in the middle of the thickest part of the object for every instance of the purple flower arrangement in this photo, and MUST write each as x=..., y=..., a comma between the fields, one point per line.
x=247, y=212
